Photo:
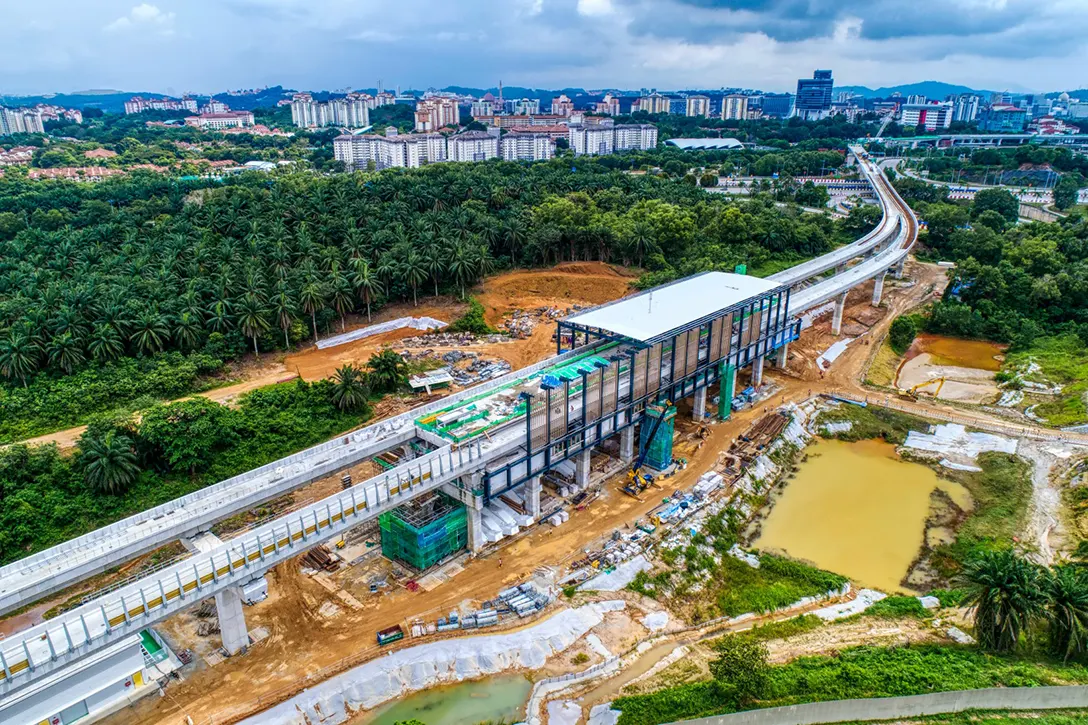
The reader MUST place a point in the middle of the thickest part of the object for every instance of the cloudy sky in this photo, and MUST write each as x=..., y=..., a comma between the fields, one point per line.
x=208, y=45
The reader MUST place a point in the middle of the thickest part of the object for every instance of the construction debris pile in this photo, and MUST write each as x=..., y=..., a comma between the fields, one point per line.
x=452, y=339
x=467, y=368
x=520, y=323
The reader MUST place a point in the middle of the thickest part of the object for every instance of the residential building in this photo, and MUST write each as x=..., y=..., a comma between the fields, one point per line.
x=17, y=155
x=917, y=100
x=533, y=145
x=635, y=136
x=607, y=138
x=592, y=140
x=214, y=106
x=654, y=103
x=515, y=121
x=965, y=108
x=384, y=98
x=219, y=121
x=526, y=107
x=814, y=96
x=1002, y=118
x=930, y=116
x=350, y=111
x=697, y=106
x=435, y=113
x=138, y=104
x=411, y=150
x=777, y=105
x=473, y=146
x=1077, y=110
x=484, y=106
x=734, y=107
x=609, y=105
x=20, y=120
x=1050, y=126
x=562, y=106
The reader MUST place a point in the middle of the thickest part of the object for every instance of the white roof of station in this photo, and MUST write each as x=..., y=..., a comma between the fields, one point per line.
x=657, y=311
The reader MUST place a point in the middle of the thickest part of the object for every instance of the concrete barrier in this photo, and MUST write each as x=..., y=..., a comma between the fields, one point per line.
x=888, y=708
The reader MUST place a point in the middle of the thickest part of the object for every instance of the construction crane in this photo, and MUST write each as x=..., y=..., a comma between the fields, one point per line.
x=912, y=392
x=637, y=481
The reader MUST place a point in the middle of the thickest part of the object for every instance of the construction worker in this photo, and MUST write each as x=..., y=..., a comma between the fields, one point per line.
x=500, y=563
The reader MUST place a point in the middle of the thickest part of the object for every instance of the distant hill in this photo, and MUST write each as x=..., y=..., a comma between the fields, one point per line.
x=934, y=90
x=107, y=100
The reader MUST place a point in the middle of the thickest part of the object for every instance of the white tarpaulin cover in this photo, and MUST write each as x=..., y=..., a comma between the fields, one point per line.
x=416, y=323
x=954, y=438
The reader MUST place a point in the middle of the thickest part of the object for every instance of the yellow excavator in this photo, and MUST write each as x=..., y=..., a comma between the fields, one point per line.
x=637, y=481
x=912, y=392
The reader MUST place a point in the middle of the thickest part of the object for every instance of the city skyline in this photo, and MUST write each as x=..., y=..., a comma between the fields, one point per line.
x=203, y=46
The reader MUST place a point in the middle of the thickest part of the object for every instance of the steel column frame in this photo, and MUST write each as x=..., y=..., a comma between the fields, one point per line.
x=629, y=415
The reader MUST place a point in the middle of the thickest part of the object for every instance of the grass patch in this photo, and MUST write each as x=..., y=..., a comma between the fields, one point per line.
x=884, y=366
x=707, y=590
x=55, y=402
x=1001, y=493
x=897, y=608
x=472, y=321
x=858, y=672
x=1062, y=359
x=871, y=422
x=779, y=630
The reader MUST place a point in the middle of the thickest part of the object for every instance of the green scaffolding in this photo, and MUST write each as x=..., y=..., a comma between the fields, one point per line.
x=658, y=451
x=423, y=532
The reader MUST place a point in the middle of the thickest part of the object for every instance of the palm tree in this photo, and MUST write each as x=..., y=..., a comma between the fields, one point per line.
x=462, y=265
x=1067, y=611
x=413, y=270
x=149, y=332
x=1006, y=592
x=19, y=356
x=340, y=296
x=253, y=319
x=106, y=343
x=642, y=241
x=349, y=390
x=312, y=297
x=109, y=462
x=434, y=261
x=187, y=330
x=66, y=352
x=387, y=370
x=366, y=282
x=283, y=308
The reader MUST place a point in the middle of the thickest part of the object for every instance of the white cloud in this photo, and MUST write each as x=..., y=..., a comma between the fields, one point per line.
x=376, y=36
x=594, y=7
x=143, y=15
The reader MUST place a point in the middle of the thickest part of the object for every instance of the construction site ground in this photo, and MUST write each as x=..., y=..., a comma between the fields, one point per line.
x=306, y=635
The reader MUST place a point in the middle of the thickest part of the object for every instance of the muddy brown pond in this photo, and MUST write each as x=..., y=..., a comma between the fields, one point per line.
x=856, y=509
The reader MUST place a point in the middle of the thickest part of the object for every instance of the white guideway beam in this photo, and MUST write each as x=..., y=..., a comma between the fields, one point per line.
x=44, y=648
